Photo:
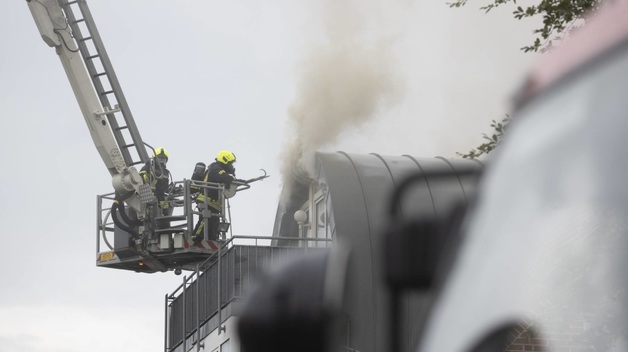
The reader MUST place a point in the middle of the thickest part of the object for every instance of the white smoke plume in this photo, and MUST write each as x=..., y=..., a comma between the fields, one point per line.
x=344, y=81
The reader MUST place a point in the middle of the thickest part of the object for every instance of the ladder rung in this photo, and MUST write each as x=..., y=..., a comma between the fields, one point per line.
x=107, y=92
x=70, y=3
x=92, y=57
x=79, y=21
x=100, y=74
x=122, y=128
x=137, y=163
x=128, y=145
x=86, y=39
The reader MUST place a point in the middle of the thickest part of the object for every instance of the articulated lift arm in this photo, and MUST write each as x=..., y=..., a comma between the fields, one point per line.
x=60, y=29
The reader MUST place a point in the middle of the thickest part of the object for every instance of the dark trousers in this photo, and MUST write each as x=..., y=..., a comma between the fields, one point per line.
x=212, y=228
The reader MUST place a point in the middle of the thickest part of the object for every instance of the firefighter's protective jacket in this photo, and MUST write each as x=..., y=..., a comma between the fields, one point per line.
x=158, y=177
x=217, y=173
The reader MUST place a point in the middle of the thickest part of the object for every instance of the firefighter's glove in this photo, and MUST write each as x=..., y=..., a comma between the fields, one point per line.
x=164, y=204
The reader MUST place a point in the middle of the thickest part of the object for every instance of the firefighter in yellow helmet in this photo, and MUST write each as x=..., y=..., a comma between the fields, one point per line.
x=222, y=171
x=156, y=174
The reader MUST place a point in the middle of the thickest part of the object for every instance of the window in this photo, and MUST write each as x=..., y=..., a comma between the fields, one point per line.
x=317, y=225
x=321, y=222
x=225, y=346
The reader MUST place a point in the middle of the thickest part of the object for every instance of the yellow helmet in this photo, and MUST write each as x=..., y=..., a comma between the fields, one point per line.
x=225, y=157
x=161, y=152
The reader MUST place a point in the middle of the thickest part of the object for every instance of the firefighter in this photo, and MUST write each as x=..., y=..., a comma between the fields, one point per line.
x=156, y=174
x=220, y=171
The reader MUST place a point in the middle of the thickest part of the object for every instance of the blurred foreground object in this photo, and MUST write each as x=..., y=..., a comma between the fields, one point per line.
x=298, y=306
x=541, y=265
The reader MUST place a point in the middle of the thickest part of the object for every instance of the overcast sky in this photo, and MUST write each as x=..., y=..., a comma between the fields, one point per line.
x=201, y=76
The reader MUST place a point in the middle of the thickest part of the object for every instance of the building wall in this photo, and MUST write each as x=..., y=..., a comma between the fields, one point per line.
x=226, y=341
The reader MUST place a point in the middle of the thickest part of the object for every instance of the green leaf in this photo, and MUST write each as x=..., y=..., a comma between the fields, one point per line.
x=557, y=16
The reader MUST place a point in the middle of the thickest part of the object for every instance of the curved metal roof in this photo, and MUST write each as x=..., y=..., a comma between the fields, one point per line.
x=358, y=189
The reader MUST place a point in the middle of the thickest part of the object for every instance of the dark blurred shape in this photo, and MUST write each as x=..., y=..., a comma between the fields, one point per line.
x=413, y=248
x=296, y=307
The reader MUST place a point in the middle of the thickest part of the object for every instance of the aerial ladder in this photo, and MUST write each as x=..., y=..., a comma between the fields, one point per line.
x=130, y=215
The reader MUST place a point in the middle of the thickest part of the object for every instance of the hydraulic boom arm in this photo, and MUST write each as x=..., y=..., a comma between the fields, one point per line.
x=60, y=29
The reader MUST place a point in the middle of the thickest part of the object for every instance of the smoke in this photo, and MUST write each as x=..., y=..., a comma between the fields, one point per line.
x=344, y=81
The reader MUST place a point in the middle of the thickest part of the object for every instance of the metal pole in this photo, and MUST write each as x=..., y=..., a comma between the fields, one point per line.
x=185, y=338
x=219, y=288
x=187, y=207
x=166, y=324
x=229, y=219
x=98, y=223
x=198, y=323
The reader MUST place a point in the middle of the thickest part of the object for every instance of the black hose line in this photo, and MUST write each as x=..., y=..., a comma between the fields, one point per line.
x=123, y=214
x=114, y=215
